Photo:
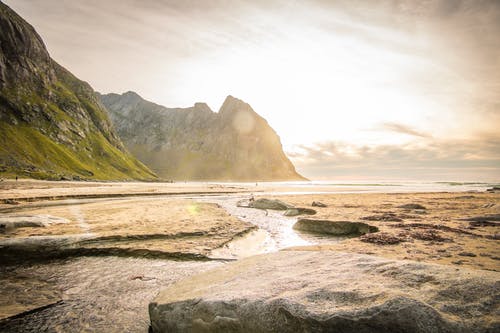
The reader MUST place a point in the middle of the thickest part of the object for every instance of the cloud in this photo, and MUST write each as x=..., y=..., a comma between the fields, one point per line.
x=435, y=160
x=403, y=129
x=396, y=66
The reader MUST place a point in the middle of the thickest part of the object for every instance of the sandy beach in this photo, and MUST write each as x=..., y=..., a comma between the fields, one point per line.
x=197, y=226
x=440, y=233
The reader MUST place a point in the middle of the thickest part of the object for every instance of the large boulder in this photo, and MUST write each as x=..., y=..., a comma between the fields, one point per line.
x=299, y=211
x=272, y=204
x=338, y=228
x=330, y=292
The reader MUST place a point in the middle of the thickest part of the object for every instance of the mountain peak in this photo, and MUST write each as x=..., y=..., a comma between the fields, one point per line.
x=202, y=107
x=132, y=96
x=199, y=144
x=131, y=93
x=232, y=104
x=232, y=100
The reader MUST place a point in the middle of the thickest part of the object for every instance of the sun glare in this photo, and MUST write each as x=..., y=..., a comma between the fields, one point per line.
x=351, y=86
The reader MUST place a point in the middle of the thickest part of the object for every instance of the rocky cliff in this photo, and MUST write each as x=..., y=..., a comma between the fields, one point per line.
x=198, y=144
x=52, y=125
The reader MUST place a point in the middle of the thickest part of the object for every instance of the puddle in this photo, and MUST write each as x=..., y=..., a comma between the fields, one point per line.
x=255, y=242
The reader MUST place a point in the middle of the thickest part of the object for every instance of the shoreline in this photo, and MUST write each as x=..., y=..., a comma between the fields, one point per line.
x=439, y=219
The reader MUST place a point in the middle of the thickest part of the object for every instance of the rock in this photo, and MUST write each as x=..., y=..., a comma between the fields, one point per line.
x=318, y=204
x=467, y=254
x=11, y=202
x=381, y=238
x=340, y=228
x=293, y=291
x=412, y=206
x=483, y=224
x=485, y=218
x=264, y=203
x=299, y=211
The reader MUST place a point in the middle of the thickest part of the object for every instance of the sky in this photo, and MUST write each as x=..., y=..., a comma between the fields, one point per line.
x=356, y=89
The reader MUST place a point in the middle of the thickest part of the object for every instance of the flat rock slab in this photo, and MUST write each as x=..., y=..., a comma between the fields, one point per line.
x=492, y=217
x=264, y=203
x=338, y=228
x=299, y=211
x=295, y=291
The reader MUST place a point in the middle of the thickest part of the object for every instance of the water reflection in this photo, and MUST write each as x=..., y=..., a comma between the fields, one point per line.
x=279, y=227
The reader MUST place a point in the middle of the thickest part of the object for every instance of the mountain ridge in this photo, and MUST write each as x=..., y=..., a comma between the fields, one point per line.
x=52, y=125
x=178, y=143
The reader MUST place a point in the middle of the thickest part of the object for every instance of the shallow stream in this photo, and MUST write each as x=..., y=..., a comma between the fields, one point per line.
x=275, y=231
x=111, y=294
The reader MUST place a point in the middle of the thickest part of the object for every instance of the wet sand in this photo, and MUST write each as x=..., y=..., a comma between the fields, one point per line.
x=37, y=190
x=166, y=226
x=89, y=294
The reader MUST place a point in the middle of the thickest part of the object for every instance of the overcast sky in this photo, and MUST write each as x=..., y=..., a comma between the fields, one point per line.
x=355, y=88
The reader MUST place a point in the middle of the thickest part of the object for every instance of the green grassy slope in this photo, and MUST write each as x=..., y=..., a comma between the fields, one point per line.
x=52, y=125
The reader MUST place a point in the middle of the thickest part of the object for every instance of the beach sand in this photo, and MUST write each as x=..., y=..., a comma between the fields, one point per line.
x=438, y=234
x=178, y=221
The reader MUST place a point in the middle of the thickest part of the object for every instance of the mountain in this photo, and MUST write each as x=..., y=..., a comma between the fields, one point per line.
x=198, y=144
x=52, y=125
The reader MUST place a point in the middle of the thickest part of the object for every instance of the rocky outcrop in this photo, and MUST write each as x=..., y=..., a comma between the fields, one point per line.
x=52, y=125
x=299, y=211
x=198, y=144
x=264, y=203
x=412, y=206
x=272, y=204
x=338, y=228
x=294, y=291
